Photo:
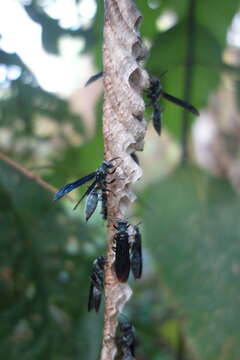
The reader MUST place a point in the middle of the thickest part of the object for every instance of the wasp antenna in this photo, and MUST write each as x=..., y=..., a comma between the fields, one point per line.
x=114, y=159
x=163, y=73
x=131, y=216
x=93, y=78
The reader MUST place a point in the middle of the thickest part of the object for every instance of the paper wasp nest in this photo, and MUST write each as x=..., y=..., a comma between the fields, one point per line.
x=124, y=129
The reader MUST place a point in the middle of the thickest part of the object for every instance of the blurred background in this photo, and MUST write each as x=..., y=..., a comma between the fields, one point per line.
x=186, y=306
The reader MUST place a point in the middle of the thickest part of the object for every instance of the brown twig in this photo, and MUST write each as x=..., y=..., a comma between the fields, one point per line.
x=30, y=175
x=124, y=81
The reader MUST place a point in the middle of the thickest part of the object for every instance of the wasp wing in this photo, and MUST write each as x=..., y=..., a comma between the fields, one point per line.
x=94, y=78
x=94, y=298
x=181, y=103
x=122, y=260
x=91, y=298
x=122, y=267
x=127, y=354
x=97, y=296
x=157, y=120
x=90, y=188
x=135, y=158
x=136, y=256
x=91, y=203
x=73, y=185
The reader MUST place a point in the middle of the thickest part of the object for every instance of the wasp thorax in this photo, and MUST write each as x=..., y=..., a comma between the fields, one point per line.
x=122, y=225
x=124, y=326
x=107, y=164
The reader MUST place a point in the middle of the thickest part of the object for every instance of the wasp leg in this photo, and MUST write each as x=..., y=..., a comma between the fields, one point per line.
x=110, y=182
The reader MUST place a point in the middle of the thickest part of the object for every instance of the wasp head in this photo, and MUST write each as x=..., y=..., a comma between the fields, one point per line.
x=155, y=84
x=102, y=260
x=122, y=225
x=103, y=168
x=125, y=326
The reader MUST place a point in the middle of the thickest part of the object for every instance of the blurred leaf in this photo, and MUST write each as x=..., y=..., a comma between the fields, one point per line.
x=10, y=59
x=207, y=50
x=194, y=230
x=52, y=31
x=77, y=161
x=148, y=25
x=221, y=11
x=24, y=100
x=44, y=256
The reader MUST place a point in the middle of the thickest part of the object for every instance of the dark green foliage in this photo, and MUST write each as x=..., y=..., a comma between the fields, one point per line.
x=194, y=230
x=39, y=266
x=52, y=31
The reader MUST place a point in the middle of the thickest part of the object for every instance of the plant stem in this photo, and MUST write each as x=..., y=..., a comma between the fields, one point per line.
x=29, y=174
x=124, y=81
x=191, y=39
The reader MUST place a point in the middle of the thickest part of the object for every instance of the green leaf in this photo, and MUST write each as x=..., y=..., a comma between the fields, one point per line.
x=215, y=15
x=221, y=11
x=46, y=257
x=170, y=48
x=52, y=31
x=193, y=233
x=150, y=15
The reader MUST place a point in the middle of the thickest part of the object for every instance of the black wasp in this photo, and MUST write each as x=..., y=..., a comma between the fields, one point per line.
x=96, y=191
x=123, y=262
x=155, y=92
x=121, y=248
x=126, y=341
x=136, y=254
x=96, y=286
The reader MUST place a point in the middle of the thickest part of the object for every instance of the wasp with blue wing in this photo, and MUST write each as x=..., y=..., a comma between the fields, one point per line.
x=136, y=254
x=154, y=94
x=128, y=256
x=95, y=192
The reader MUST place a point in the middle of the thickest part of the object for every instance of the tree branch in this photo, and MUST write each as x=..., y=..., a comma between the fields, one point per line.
x=124, y=130
x=30, y=175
